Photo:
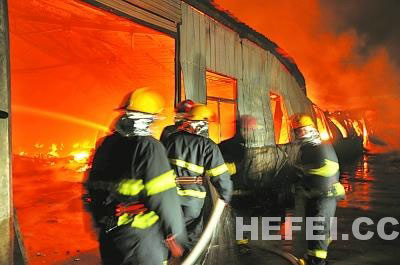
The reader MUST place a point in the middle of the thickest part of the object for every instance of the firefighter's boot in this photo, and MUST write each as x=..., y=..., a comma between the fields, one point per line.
x=310, y=260
x=243, y=246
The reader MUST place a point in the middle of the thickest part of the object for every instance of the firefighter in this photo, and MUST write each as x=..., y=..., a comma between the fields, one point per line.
x=234, y=152
x=319, y=181
x=132, y=191
x=193, y=157
x=182, y=108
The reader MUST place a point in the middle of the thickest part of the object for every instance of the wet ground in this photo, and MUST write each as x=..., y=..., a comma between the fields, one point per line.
x=373, y=185
x=373, y=191
x=55, y=227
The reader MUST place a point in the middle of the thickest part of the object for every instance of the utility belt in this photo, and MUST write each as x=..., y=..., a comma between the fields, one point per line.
x=189, y=180
x=108, y=217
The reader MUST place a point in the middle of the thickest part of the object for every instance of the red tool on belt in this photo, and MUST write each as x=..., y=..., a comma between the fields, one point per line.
x=133, y=208
x=137, y=208
x=189, y=180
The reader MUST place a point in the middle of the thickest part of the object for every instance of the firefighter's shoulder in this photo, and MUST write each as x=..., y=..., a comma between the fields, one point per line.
x=176, y=136
x=151, y=143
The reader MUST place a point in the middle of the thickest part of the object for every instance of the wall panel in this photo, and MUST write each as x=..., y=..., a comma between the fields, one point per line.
x=214, y=47
x=163, y=14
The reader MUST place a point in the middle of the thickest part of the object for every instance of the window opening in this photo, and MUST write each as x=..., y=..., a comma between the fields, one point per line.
x=280, y=119
x=222, y=99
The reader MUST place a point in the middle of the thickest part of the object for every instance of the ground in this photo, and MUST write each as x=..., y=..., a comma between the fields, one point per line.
x=56, y=229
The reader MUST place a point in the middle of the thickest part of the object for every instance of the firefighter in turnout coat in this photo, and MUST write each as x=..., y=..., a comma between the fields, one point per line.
x=319, y=172
x=132, y=190
x=193, y=157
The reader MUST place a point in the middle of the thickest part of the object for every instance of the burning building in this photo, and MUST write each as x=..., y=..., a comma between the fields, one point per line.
x=71, y=61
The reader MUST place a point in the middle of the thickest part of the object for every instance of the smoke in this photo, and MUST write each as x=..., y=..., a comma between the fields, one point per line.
x=375, y=22
x=345, y=49
x=376, y=25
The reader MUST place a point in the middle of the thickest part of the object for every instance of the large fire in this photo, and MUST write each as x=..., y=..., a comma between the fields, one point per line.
x=71, y=66
x=338, y=76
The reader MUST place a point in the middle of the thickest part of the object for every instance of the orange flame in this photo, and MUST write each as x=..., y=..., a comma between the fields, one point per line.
x=323, y=131
x=81, y=156
x=357, y=128
x=365, y=134
x=324, y=135
x=341, y=128
x=53, y=151
x=338, y=75
x=60, y=116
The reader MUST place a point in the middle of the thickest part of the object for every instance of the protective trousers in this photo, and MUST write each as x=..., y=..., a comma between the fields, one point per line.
x=193, y=214
x=126, y=245
x=324, y=207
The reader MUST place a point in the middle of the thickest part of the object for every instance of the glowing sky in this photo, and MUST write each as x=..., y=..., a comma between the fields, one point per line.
x=347, y=50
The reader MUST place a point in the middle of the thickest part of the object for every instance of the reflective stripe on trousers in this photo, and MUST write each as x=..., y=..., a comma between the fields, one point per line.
x=330, y=168
x=322, y=254
x=192, y=193
x=140, y=221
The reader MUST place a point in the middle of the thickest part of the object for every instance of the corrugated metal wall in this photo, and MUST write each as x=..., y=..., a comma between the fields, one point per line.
x=206, y=44
x=6, y=231
x=164, y=14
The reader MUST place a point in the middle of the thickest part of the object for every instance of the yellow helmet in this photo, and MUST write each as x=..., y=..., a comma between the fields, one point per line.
x=301, y=120
x=200, y=112
x=145, y=100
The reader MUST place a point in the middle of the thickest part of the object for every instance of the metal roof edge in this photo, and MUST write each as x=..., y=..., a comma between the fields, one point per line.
x=210, y=8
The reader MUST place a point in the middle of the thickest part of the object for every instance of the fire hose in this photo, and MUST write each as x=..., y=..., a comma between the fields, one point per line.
x=209, y=230
x=207, y=234
x=215, y=217
x=286, y=255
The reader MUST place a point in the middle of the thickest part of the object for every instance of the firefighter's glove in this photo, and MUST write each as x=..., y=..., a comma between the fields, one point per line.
x=130, y=187
x=173, y=246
